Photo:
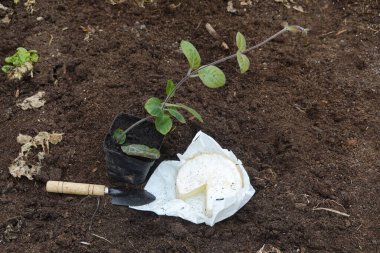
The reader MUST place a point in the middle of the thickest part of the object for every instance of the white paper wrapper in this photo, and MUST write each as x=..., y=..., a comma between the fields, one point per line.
x=163, y=185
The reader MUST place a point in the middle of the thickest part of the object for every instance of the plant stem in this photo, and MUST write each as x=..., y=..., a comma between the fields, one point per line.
x=245, y=51
x=136, y=124
x=193, y=73
x=183, y=80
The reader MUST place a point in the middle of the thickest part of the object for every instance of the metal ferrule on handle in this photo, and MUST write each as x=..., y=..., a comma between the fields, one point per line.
x=76, y=188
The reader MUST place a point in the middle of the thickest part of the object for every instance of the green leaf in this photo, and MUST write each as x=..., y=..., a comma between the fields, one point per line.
x=176, y=114
x=240, y=42
x=21, y=50
x=22, y=55
x=189, y=109
x=7, y=68
x=163, y=123
x=141, y=151
x=169, y=87
x=243, y=62
x=293, y=28
x=11, y=59
x=192, y=112
x=33, y=56
x=8, y=59
x=119, y=136
x=212, y=76
x=191, y=54
x=153, y=106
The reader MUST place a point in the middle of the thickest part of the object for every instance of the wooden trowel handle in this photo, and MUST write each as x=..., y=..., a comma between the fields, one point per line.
x=75, y=188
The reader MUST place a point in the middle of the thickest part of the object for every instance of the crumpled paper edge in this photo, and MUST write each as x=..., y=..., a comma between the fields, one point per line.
x=162, y=185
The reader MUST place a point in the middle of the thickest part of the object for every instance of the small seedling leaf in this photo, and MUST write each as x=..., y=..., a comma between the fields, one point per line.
x=193, y=112
x=240, y=42
x=176, y=114
x=23, y=55
x=163, y=123
x=7, y=68
x=189, y=109
x=169, y=87
x=119, y=136
x=191, y=54
x=295, y=28
x=141, y=151
x=14, y=60
x=212, y=76
x=34, y=56
x=153, y=106
x=243, y=62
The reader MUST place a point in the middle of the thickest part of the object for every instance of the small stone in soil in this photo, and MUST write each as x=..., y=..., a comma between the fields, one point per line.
x=69, y=199
x=66, y=215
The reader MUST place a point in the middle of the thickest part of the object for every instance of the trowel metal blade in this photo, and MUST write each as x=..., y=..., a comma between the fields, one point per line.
x=131, y=197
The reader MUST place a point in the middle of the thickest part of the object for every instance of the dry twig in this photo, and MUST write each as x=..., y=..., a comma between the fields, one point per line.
x=101, y=237
x=216, y=36
x=331, y=210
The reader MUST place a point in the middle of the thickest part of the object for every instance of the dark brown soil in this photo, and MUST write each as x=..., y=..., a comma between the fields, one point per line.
x=305, y=121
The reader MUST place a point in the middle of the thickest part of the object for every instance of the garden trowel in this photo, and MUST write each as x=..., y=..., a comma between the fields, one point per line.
x=120, y=196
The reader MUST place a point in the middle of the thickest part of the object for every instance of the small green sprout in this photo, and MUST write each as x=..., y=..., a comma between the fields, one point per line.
x=20, y=64
x=211, y=76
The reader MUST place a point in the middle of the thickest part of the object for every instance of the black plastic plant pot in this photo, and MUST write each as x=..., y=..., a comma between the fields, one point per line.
x=122, y=167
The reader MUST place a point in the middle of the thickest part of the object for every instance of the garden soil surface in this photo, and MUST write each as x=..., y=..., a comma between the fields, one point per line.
x=304, y=120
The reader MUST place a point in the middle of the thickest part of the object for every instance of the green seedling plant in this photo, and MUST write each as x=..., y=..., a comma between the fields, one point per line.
x=163, y=112
x=20, y=64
